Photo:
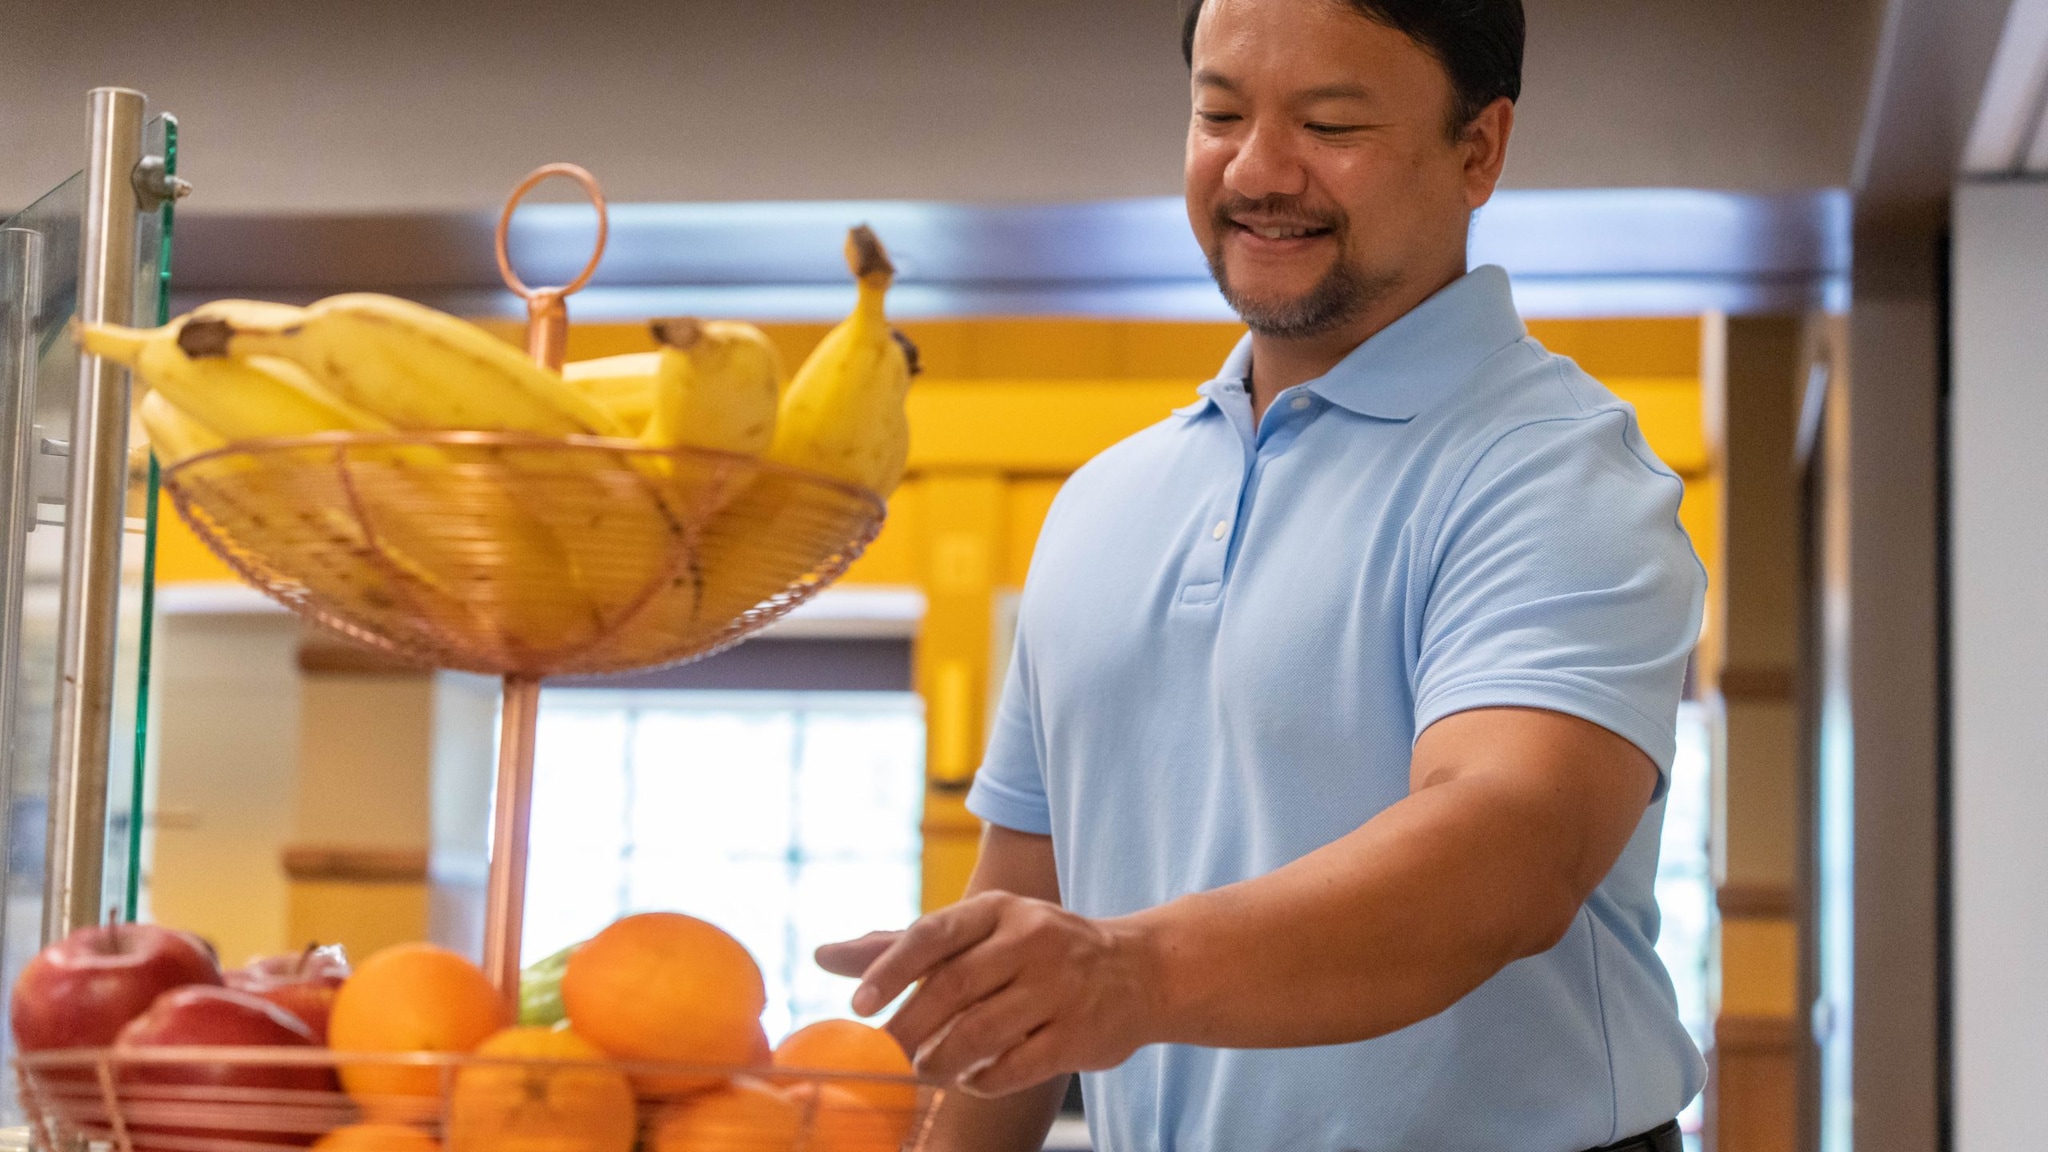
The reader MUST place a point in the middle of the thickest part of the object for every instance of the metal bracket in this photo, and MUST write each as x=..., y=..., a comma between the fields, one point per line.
x=155, y=186
x=49, y=469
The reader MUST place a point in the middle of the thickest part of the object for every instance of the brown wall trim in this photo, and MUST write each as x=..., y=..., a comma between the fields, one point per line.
x=1756, y=902
x=1756, y=1035
x=1756, y=683
x=305, y=863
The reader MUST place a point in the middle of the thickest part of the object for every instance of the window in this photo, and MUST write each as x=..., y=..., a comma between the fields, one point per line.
x=1685, y=887
x=787, y=818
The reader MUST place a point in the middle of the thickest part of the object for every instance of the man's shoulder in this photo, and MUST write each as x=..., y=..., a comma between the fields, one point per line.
x=1134, y=464
x=1527, y=396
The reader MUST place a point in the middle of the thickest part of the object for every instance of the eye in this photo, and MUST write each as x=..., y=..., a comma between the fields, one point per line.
x=1218, y=117
x=1332, y=129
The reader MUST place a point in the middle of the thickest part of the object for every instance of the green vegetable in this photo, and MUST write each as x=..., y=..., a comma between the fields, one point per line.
x=540, y=989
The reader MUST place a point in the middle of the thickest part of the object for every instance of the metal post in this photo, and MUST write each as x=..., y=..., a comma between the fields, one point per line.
x=512, y=811
x=21, y=268
x=89, y=609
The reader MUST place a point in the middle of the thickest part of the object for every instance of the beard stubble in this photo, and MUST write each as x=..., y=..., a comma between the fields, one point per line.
x=1343, y=293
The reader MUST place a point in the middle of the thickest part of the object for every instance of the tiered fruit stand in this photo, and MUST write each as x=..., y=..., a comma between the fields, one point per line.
x=512, y=555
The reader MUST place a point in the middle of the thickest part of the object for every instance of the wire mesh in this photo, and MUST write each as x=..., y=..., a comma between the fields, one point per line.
x=278, y=1100
x=507, y=554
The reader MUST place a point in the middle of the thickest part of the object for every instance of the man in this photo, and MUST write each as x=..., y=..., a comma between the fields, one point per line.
x=1324, y=795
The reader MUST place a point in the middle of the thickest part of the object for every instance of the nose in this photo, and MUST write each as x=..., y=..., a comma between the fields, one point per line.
x=1266, y=165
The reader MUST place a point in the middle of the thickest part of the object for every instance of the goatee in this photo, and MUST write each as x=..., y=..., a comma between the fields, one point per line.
x=1340, y=296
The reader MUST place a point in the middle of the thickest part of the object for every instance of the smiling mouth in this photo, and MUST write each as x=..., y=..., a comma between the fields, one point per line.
x=1280, y=231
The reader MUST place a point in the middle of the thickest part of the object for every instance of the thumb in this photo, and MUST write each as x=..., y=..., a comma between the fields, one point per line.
x=852, y=957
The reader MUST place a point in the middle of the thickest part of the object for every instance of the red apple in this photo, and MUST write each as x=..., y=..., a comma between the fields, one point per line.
x=301, y=983
x=81, y=991
x=162, y=1100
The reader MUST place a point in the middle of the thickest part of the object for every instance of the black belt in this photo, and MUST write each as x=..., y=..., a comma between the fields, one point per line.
x=1662, y=1139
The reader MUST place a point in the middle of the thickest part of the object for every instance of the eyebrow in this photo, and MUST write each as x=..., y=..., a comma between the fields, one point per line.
x=1338, y=92
x=1210, y=78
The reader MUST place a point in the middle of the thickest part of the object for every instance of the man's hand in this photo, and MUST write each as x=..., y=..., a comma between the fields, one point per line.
x=1014, y=991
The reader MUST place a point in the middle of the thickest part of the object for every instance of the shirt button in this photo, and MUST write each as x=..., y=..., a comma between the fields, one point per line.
x=1300, y=402
x=1221, y=530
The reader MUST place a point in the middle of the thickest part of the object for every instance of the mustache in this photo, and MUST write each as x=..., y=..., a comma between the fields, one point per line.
x=1287, y=208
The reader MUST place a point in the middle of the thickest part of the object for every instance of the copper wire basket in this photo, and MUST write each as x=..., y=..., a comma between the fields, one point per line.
x=522, y=557
x=514, y=555
x=277, y=1100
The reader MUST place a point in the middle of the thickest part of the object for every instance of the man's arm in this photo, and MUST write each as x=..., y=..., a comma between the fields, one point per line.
x=1513, y=818
x=1011, y=862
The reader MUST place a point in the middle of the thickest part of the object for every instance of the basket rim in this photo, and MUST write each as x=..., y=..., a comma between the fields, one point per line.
x=522, y=440
x=59, y=1059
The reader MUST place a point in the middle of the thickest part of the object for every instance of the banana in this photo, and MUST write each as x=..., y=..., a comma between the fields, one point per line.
x=238, y=399
x=622, y=385
x=716, y=387
x=843, y=414
x=173, y=434
x=417, y=368
x=249, y=312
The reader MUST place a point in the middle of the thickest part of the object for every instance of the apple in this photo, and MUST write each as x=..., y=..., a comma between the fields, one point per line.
x=301, y=983
x=210, y=1016
x=81, y=991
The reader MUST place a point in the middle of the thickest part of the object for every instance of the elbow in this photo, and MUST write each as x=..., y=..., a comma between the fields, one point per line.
x=1545, y=923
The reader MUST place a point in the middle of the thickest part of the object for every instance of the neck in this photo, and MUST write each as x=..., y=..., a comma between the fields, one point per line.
x=1280, y=362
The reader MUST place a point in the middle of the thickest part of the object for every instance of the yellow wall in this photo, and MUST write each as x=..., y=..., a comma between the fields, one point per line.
x=1005, y=410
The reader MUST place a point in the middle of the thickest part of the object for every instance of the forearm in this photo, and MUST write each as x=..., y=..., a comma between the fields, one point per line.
x=1009, y=862
x=1379, y=930
x=1013, y=1123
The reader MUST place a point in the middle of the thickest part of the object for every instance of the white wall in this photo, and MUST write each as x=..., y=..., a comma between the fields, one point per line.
x=2000, y=673
x=424, y=105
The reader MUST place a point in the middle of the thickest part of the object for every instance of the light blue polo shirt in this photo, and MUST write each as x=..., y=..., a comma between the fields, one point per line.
x=1228, y=643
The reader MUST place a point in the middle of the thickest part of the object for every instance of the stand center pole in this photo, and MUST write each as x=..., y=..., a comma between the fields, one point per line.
x=511, y=814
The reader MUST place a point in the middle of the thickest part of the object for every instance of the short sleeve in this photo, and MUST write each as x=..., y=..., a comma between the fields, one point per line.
x=1009, y=789
x=1563, y=581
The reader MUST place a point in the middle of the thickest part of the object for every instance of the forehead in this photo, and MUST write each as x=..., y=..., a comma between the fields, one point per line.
x=1311, y=46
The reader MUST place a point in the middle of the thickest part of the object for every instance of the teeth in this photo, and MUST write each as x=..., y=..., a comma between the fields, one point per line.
x=1281, y=233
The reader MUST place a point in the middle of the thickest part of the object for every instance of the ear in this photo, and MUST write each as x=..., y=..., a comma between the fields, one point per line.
x=1485, y=142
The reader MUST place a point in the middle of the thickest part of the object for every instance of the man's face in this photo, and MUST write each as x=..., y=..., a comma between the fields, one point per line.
x=1321, y=173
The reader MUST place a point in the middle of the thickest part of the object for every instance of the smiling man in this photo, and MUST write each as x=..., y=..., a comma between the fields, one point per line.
x=1323, y=800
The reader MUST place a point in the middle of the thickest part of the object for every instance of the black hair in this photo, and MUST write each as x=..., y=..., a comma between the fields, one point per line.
x=1479, y=43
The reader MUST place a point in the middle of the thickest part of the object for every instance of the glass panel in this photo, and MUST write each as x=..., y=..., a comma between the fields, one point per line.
x=127, y=784
x=46, y=251
x=39, y=266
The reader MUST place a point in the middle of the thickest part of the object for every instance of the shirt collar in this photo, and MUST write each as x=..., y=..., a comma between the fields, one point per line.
x=1412, y=362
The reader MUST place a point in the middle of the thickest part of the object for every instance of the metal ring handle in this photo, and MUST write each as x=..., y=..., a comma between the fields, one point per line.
x=581, y=176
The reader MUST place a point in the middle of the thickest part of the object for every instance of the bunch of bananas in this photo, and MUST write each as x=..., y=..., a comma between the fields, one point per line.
x=534, y=555
x=237, y=370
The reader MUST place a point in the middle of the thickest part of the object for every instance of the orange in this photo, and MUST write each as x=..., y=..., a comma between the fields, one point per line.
x=840, y=1121
x=851, y=1046
x=376, y=1138
x=409, y=998
x=743, y=1116
x=526, y=1106
x=664, y=987
x=759, y=1054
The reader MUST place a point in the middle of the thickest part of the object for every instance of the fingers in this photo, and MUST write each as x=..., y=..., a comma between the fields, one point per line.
x=852, y=957
x=1032, y=1061
x=922, y=947
x=984, y=1032
x=957, y=985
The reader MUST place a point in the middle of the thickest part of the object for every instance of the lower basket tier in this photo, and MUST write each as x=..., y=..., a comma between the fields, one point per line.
x=258, y=1099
